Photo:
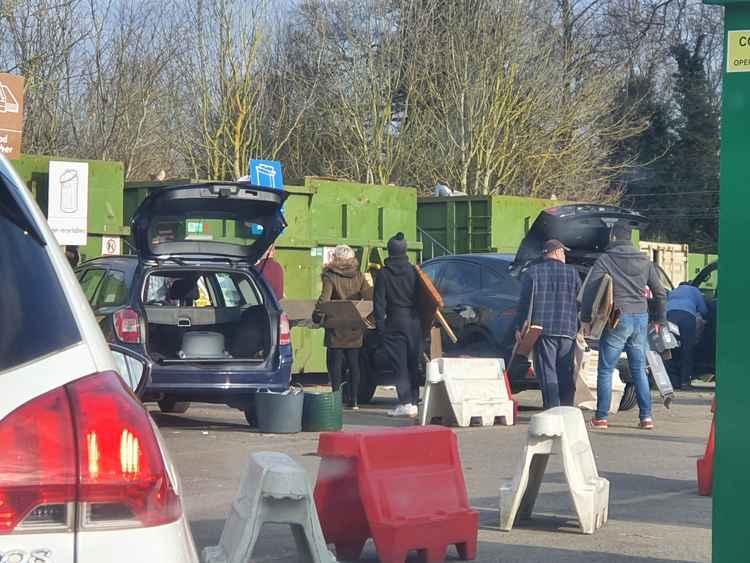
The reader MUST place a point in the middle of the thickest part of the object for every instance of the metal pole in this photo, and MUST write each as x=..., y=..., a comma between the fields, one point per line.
x=732, y=460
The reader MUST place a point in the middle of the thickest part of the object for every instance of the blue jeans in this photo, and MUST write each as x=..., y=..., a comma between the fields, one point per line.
x=631, y=336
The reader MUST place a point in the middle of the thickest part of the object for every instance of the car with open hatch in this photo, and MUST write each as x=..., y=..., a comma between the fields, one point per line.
x=192, y=300
x=84, y=474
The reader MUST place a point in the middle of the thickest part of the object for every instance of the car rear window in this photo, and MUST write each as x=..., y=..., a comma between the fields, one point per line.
x=36, y=319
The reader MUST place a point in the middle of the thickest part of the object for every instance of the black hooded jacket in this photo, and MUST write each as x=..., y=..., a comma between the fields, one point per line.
x=631, y=272
x=395, y=291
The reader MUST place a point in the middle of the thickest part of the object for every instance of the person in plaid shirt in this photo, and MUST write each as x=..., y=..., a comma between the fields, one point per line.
x=550, y=290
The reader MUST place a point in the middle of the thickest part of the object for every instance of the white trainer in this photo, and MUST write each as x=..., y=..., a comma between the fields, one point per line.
x=410, y=411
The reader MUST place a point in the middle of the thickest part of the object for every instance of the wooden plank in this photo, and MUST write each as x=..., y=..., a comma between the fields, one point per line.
x=429, y=300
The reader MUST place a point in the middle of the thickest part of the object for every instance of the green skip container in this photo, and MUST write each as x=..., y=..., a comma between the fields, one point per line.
x=322, y=412
x=279, y=413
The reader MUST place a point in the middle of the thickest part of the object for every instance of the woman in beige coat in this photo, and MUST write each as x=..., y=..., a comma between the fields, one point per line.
x=342, y=280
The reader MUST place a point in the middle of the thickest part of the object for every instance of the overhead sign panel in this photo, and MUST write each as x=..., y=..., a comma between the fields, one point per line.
x=67, y=213
x=11, y=114
x=738, y=51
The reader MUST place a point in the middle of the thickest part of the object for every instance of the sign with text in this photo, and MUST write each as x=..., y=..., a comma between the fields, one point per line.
x=67, y=213
x=111, y=246
x=11, y=114
x=266, y=173
x=738, y=51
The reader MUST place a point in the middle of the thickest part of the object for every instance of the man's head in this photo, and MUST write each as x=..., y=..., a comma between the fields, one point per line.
x=553, y=249
x=397, y=245
x=621, y=232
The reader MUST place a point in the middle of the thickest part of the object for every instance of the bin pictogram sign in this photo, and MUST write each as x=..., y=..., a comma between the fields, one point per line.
x=11, y=114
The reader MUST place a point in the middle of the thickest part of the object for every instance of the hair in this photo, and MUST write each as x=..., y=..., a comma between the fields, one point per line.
x=343, y=257
x=622, y=232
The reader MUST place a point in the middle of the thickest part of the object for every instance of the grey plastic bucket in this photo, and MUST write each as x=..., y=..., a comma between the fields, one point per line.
x=279, y=413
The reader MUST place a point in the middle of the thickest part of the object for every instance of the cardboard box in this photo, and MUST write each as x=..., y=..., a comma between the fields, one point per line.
x=347, y=314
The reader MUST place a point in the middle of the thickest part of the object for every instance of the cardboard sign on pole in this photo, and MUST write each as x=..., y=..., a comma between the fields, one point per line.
x=11, y=114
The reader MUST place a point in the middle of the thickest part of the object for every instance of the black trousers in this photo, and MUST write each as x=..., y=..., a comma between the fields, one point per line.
x=338, y=359
x=553, y=365
x=682, y=365
x=404, y=344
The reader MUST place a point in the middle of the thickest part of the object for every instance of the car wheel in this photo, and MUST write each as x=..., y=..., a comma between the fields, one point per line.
x=171, y=406
x=478, y=347
x=629, y=398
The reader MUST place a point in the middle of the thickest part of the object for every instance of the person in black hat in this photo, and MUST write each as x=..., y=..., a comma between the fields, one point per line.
x=549, y=292
x=397, y=322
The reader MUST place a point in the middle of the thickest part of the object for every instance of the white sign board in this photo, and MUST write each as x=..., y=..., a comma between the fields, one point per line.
x=68, y=201
x=111, y=246
x=328, y=254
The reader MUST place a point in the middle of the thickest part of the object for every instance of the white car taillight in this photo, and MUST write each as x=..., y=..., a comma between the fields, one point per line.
x=88, y=444
x=128, y=326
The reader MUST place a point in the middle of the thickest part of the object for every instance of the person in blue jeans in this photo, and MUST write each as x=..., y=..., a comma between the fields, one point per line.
x=631, y=272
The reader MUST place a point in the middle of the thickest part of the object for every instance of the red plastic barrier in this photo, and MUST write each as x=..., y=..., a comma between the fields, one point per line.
x=706, y=463
x=403, y=487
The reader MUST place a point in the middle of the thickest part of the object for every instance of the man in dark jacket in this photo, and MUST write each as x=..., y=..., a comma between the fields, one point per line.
x=549, y=292
x=631, y=272
x=397, y=321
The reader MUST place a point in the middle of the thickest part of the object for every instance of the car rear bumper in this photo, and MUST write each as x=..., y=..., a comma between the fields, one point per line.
x=217, y=381
x=171, y=543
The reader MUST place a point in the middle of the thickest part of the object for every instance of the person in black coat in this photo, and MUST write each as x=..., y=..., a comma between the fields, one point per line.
x=397, y=322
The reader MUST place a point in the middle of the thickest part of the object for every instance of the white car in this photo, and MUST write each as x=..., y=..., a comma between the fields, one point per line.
x=84, y=475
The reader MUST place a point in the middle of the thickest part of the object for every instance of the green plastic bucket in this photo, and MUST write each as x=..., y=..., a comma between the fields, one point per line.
x=322, y=412
x=279, y=413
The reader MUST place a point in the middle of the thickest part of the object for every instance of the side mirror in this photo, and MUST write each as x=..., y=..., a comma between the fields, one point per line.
x=134, y=369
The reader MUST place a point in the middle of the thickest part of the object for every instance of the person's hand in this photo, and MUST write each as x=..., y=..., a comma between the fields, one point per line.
x=586, y=328
x=518, y=336
x=657, y=327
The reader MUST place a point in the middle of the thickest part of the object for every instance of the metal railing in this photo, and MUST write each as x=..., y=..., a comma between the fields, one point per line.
x=431, y=247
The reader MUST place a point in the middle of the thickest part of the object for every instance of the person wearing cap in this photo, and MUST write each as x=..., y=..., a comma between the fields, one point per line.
x=632, y=275
x=397, y=322
x=549, y=291
x=342, y=280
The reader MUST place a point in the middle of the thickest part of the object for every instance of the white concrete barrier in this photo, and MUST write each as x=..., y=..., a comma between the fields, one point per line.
x=566, y=428
x=274, y=489
x=459, y=390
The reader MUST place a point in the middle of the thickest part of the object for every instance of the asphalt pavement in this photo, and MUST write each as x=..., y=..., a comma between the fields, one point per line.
x=655, y=512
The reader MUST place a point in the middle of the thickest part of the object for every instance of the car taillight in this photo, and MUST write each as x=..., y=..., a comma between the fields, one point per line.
x=89, y=444
x=128, y=326
x=285, y=338
x=38, y=465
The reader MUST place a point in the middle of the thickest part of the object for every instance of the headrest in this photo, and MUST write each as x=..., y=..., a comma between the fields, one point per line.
x=184, y=289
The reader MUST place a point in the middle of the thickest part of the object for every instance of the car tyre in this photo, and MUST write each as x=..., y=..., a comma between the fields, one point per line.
x=170, y=406
x=629, y=398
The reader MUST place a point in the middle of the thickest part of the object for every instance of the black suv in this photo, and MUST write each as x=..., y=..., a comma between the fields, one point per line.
x=195, y=307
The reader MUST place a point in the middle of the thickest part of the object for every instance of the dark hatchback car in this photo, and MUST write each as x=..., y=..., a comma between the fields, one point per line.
x=195, y=307
x=480, y=301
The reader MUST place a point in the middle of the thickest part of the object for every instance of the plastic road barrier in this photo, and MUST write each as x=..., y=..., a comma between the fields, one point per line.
x=460, y=390
x=706, y=463
x=274, y=489
x=384, y=484
x=565, y=426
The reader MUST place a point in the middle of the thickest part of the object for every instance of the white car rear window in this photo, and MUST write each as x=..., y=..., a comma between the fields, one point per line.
x=35, y=318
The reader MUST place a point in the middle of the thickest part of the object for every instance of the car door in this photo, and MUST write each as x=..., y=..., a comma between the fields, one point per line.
x=497, y=305
x=459, y=284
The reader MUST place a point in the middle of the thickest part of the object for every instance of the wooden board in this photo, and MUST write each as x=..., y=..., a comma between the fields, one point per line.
x=601, y=309
x=529, y=338
x=429, y=300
